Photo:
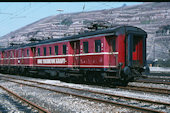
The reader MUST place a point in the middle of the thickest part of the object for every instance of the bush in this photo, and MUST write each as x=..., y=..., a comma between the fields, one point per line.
x=67, y=21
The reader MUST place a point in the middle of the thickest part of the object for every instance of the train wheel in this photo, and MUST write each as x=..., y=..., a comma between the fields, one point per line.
x=94, y=80
x=91, y=78
x=124, y=83
x=100, y=80
x=84, y=79
x=87, y=77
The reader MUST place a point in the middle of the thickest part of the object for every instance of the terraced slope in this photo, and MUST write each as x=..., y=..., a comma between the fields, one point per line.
x=148, y=16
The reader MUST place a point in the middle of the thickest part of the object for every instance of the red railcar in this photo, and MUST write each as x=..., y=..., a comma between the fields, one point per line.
x=117, y=53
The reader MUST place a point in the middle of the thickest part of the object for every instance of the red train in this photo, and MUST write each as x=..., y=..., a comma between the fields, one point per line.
x=116, y=55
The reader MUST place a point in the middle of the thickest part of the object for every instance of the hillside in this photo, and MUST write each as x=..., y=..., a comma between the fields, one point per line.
x=148, y=16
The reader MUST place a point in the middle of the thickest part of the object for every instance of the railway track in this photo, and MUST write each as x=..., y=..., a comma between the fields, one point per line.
x=104, y=97
x=154, y=82
x=27, y=102
x=136, y=88
x=147, y=89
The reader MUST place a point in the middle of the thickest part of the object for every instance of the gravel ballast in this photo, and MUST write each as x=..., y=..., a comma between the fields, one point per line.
x=8, y=104
x=57, y=102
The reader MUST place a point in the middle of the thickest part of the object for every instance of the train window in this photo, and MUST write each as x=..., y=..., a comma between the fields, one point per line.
x=27, y=52
x=2, y=54
x=9, y=54
x=12, y=54
x=19, y=54
x=85, y=47
x=56, y=50
x=64, y=49
x=38, y=51
x=97, y=45
x=5, y=55
x=50, y=50
x=44, y=51
x=22, y=53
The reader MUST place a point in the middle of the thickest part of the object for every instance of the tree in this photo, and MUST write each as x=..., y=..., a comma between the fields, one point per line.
x=67, y=21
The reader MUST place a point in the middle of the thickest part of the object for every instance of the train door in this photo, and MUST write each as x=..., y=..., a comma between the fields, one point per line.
x=9, y=58
x=112, y=57
x=33, y=60
x=22, y=56
x=3, y=58
x=0, y=58
x=135, y=52
x=76, y=51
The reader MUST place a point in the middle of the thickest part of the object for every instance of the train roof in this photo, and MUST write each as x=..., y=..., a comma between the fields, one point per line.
x=114, y=31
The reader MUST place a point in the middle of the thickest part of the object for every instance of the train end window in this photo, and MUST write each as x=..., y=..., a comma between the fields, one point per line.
x=44, y=51
x=85, y=47
x=135, y=43
x=97, y=45
x=64, y=49
x=50, y=51
x=56, y=50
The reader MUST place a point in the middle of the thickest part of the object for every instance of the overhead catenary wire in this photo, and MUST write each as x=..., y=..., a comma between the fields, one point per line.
x=16, y=12
x=19, y=12
x=21, y=17
x=24, y=9
x=100, y=6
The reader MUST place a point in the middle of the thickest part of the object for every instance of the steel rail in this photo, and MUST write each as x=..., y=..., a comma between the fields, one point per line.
x=146, y=89
x=108, y=94
x=155, y=82
x=34, y=106
x=95, y=99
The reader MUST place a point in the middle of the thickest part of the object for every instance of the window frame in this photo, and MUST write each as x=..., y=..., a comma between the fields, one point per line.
x=50, y=50
x=85, y=47
x=22, y=52
x=44, y=51
x=64, y=49
x=38, y=51
x=56, y=46
x=96, y=46
x=113, y=48
x=28, y=52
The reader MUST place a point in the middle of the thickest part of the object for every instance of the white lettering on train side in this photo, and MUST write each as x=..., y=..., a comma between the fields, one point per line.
x=51, y=61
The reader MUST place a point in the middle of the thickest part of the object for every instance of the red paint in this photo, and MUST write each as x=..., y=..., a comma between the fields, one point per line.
x=138, y=54
x=121, y=49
